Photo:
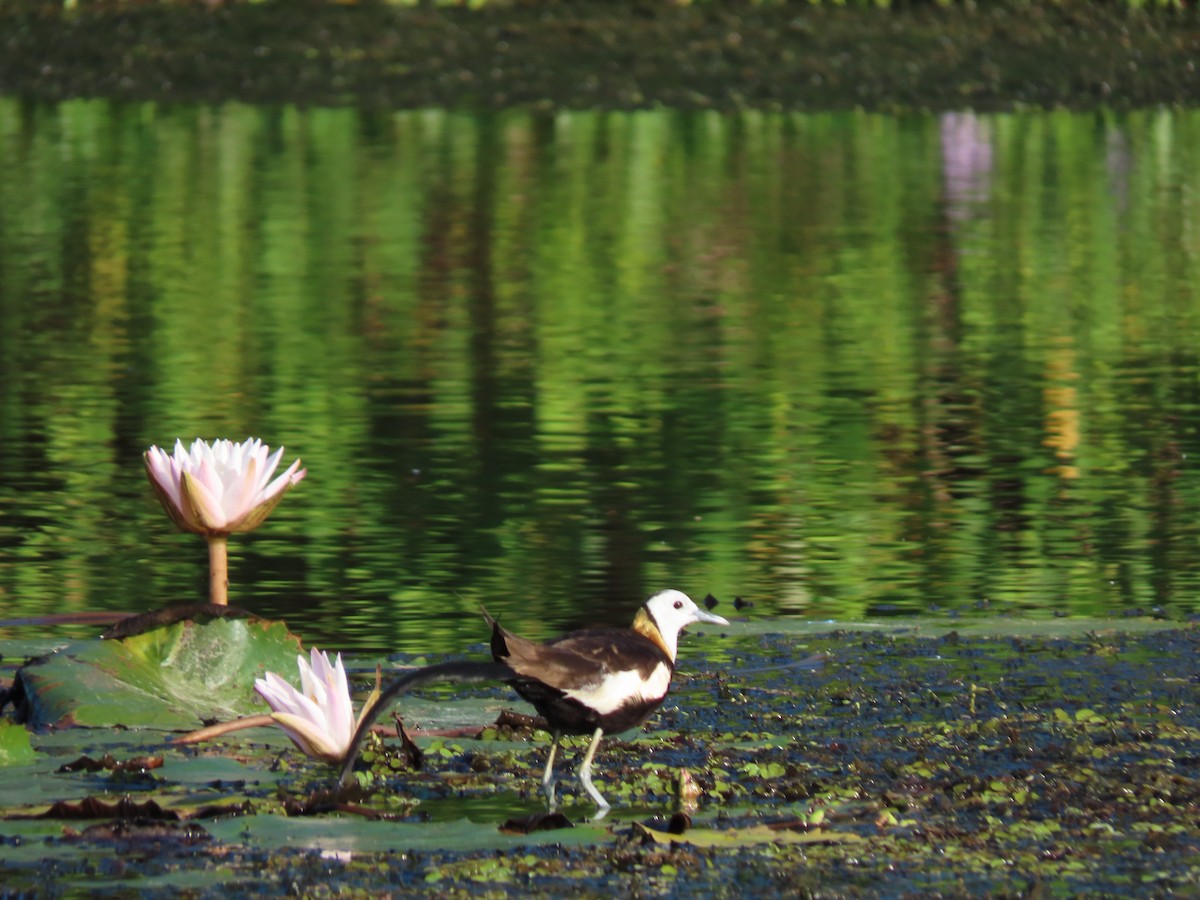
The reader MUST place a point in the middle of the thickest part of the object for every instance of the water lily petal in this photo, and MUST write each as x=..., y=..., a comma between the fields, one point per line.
x=280, y=695
x=269, y=499
x=320, y=716
x=222, y=487
x=199, y=503
x=166, y=488
x=311, y=683
x=268, y=469
x=158, y=464
x=339, y=709
x=327, y=686
x=288, y=479
x=239, y=496
x=309, y=738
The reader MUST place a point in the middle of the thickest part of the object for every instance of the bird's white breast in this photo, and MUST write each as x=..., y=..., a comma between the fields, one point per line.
x=620, y=688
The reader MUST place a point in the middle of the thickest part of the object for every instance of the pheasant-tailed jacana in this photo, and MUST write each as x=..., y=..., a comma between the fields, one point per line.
x=593, y=681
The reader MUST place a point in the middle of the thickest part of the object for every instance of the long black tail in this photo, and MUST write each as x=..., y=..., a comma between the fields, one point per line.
x=443, y=673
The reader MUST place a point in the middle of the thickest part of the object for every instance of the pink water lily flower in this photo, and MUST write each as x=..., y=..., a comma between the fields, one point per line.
x=217, y=489
x=220, y=488
x=319, y=717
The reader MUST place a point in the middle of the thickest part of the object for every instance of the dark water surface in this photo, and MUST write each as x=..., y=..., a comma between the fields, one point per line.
x=841, y=365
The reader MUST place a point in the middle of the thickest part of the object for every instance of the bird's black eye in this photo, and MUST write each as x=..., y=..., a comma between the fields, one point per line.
x=679, y=604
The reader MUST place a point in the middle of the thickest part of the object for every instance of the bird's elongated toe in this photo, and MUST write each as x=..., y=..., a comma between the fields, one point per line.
x=585, y=778
x=548, y=786
x=585, y=770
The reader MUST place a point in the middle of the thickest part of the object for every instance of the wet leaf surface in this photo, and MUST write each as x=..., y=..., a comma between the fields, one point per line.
x=732, y=838
x=173, y=677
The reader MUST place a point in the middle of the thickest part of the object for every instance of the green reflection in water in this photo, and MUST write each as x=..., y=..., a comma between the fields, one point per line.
x=841, y=365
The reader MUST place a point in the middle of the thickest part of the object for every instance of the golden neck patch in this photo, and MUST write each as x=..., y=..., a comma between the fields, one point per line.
x=644, y=624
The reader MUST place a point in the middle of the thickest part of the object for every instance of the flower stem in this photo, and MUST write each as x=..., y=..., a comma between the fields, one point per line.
x=218, y=569
x=213, y=731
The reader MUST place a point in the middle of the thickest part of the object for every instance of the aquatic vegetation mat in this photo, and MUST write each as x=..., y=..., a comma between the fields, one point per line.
x=816, y=760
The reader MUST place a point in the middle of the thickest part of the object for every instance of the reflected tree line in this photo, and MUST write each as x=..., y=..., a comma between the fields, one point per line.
x=841, y=364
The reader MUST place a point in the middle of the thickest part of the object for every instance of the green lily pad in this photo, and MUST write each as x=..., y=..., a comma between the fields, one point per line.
x=15, y=749
x=355, y=835
x=172, y=678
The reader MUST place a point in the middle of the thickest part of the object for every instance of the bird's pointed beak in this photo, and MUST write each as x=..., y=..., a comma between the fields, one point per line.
x=711, y=618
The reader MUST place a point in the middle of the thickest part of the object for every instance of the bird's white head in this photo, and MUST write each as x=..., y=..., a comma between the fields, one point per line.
x=672, y=611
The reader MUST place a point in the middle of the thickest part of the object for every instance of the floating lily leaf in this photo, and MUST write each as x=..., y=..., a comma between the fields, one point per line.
x=15, y=749
x=153, y=836
x=355, y=835
x=128, y=808
x=176, y=677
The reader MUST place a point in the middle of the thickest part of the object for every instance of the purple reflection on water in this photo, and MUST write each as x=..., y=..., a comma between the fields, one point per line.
x=966, y=161
x=1118, y=159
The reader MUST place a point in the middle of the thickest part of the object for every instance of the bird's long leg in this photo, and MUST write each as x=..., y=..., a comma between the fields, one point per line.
x=585, y=773
x=548, y=775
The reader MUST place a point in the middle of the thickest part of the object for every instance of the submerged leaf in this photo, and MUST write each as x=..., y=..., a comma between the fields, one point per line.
x=154, y=835
x=136, y=765
x=172, y=809
x=540, y=821
x=743, y=837
x=95, y=808
x=177, y=677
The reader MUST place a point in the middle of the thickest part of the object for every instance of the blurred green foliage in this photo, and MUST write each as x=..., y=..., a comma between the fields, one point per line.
x=840, y=364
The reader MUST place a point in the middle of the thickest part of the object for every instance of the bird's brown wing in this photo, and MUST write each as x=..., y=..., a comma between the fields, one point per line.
x=577, y=659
